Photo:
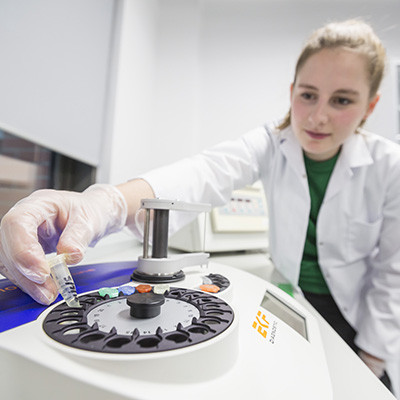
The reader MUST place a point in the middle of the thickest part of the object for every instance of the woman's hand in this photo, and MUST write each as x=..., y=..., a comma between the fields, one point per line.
x=49, y=221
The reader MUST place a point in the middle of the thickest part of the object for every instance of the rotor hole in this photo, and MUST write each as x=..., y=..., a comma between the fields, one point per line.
x=214, y=313
x=75, y=331
x=211, y=322
x=92, y=338
x=211, y=306
x=68, y=322
x=117, y=343
x=148, y=342
x=198, y=329
x=177, y=337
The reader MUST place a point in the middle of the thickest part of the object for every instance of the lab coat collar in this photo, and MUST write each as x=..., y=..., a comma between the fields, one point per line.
x=354, y=154
x=292, y=151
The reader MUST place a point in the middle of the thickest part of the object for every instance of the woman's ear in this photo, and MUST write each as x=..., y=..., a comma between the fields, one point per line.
x=371, y=105
x=291, y=92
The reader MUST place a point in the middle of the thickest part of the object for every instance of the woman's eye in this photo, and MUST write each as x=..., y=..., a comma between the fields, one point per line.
x=343, y=101
x=307, y=96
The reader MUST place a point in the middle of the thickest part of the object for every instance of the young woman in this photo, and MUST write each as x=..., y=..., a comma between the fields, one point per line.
x=333, y=192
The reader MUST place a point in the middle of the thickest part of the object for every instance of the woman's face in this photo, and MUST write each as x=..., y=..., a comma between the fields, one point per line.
x=329, y=100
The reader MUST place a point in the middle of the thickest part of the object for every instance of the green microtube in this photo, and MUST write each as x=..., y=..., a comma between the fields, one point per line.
x=111, y=292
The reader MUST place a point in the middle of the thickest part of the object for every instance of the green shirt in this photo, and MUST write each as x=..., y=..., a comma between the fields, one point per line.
x=318, y=174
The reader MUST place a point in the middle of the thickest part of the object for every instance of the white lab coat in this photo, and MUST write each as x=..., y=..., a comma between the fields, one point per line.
x=358, y=227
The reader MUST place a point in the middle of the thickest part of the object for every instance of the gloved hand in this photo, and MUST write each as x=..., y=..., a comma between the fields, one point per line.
x=50, y=220
x=376, y=365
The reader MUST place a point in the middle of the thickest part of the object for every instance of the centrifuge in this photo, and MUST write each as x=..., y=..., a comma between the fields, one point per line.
x=143, y=332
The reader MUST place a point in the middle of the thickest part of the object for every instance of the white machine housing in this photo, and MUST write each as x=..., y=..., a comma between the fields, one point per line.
x=261, y=355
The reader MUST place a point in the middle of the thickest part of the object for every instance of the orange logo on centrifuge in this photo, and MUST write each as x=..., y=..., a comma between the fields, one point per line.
x=261, y=325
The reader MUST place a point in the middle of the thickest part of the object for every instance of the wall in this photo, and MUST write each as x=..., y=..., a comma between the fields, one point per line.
x=130, y=85
x=155, y=109
x=250, y=51
x=195, y=72
x=131, y=90
x=54, y=73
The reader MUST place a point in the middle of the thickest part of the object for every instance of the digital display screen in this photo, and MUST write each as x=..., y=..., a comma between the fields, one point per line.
x=284, y=312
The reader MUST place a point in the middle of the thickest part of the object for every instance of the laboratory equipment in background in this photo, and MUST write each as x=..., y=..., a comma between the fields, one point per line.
x=216, y=331
x=242, y=224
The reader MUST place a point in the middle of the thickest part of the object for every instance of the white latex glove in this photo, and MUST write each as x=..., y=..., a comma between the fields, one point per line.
x=49, y=221
x=376, y=365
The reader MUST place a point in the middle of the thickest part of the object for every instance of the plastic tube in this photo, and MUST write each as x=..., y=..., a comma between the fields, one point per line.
x=59, y=271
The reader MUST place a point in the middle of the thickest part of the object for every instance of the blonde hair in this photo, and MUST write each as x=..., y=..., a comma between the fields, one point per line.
x=351, y=34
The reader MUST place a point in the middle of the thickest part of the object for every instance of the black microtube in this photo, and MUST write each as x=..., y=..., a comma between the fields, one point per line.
x=160, y=234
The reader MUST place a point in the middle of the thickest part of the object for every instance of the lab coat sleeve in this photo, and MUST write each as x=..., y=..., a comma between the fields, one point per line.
x=378, y=325
x=211, y=176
